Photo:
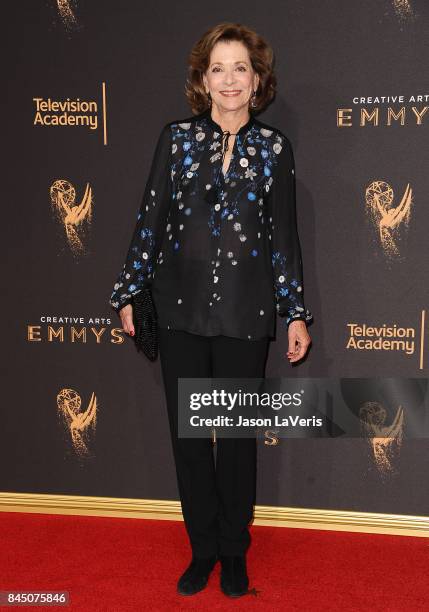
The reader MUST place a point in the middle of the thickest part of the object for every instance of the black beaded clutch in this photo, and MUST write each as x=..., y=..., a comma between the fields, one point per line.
x=145, y=324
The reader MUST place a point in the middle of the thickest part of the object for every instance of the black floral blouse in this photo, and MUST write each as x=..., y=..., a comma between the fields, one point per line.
x=220, y=252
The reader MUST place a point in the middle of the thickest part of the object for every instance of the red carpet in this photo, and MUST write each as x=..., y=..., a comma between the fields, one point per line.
x=110, y=564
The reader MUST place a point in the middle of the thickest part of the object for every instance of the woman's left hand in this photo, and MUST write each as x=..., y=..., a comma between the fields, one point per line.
x=299, y=340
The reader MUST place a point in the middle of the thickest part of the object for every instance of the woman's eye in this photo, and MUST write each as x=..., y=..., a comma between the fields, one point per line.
x=217, y=68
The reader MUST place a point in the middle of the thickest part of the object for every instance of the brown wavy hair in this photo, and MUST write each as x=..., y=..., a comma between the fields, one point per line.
x=261, y=57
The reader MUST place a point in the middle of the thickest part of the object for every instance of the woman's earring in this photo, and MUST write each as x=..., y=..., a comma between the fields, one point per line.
x=209, y=99
x=253, y=100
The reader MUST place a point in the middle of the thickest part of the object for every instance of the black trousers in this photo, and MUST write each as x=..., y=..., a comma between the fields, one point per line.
x=217, y=498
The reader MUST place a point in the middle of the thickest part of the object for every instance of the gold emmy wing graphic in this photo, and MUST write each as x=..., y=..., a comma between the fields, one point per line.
x=387, y=218
x=76, y=422
x=66, y=13
x=69, y=214
x=403, y=9
x=385, y=440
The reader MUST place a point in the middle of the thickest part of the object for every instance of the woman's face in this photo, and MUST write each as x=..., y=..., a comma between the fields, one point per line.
x=230, y=78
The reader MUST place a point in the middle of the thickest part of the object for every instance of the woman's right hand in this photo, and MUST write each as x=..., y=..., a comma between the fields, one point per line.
x=126, y=314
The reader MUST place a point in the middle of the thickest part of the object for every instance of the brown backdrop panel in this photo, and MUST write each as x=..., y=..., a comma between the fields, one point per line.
x=327, y=54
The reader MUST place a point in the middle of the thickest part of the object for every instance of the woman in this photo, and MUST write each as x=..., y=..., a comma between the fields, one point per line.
x=216, y=241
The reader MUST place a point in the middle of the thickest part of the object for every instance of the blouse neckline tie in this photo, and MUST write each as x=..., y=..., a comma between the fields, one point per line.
x=225, y=141
x=225, y=145
x=212, y=195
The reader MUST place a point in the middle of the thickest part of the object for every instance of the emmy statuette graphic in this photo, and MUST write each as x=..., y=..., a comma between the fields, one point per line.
x=76, y=422
x=387, y=218
x=71, y=215
x=385, y=440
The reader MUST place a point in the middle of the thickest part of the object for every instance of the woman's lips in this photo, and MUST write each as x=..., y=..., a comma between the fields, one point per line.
x=230, y=94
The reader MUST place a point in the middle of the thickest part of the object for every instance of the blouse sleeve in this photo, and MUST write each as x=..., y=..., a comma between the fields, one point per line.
x=137, y=271
x=285, y=245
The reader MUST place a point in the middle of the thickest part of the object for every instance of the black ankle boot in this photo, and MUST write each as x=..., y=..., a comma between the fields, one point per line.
x=196, y=576
x=233, y=577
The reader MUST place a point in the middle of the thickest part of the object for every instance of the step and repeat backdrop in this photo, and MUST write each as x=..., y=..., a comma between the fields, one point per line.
x=90, y=85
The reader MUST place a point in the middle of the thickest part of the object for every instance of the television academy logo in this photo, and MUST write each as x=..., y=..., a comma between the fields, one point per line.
x=408, y=340
x=366, y=337
x=74, y=217
x=66, y=113
x=72, y=112
x=391, y=222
